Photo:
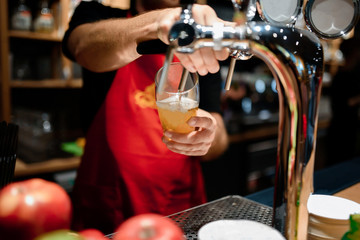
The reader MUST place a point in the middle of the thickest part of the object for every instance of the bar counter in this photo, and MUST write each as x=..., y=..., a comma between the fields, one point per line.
x=341, y=180
x=351, y=193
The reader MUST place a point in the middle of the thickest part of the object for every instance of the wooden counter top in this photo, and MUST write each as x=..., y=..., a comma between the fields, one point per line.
x=23, y=169
x=351, y=193
x=341, y=180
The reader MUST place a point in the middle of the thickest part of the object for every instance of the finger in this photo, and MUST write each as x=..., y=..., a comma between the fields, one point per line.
x=200, y=12
x=179, y=146
x=186, y=61
x=195, y=62
x=222, y=54
x=202, y=122
x=179, y=137
x=209, y=58
x=209, y=62
x=210, y=19
x=198, y=62
x=189, y=153
x=165, y=23
x=198, y=137
x=187, y=149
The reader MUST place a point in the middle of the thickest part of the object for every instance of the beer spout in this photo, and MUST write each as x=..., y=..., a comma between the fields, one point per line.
x=181, y=35
x=244, y=11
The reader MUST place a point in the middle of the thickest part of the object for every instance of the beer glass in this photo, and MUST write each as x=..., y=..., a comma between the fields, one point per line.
x=176, y=107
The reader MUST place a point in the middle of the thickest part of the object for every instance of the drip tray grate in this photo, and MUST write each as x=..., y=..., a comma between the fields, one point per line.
x=229, y=207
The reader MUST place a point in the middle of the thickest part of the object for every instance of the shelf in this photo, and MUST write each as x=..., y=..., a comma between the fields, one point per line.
x=36, y=36
x=256, y=134
x=49, y=83
x=266, y=132
x=23, y=169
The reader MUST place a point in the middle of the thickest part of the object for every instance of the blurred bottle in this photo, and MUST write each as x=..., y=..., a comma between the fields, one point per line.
x=21, y=18
x=44, y=21
x=354, y=232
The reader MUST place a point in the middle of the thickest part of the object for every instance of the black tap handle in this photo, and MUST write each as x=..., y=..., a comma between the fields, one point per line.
x=182, y=32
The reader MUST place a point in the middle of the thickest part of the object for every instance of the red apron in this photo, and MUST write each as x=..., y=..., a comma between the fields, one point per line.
x=126, y=168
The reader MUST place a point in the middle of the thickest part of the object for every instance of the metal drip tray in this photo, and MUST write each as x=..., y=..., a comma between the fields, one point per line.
x=229, y=207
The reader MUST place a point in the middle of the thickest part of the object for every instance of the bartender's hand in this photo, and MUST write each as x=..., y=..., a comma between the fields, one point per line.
x=209, y=141
x=204, y=60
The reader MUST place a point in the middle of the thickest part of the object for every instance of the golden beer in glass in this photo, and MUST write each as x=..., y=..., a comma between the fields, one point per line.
x=176, y=107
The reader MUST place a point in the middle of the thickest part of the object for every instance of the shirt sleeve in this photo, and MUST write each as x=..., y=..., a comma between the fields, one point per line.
x=87, y=12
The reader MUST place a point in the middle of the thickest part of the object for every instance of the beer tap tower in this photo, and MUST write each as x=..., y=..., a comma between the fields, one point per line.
x=295, y=58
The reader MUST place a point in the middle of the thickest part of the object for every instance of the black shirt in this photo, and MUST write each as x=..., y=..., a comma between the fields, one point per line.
x=96, y=85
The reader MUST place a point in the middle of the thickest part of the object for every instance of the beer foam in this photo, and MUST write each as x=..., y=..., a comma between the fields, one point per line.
x=177, y=103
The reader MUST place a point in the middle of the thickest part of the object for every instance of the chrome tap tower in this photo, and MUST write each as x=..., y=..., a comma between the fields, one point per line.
x=295, y=58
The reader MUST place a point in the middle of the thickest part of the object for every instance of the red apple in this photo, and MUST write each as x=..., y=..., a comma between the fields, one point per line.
x=92, y=234
x=32, y=207
x=149, y=226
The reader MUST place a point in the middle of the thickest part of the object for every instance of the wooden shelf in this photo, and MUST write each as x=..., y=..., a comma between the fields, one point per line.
x=266, y=132
x=28, y=43
x=255, y=134
x=23, y=169
x=36, y=36
x=48, y=83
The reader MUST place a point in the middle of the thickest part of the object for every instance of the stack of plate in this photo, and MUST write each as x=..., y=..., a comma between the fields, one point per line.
x=329, y=216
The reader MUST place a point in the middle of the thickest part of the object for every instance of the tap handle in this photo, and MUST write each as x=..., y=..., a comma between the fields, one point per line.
x=244, y=12
x=230, y=73
x=183, y=32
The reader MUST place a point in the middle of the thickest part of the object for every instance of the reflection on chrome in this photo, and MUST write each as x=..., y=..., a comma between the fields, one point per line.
x=295, y=58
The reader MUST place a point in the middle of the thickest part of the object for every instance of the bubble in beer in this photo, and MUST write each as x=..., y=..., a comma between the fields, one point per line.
x=175, y=111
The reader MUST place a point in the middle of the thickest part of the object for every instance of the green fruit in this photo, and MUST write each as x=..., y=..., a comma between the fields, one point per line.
x=60, y=235
x=354, y=232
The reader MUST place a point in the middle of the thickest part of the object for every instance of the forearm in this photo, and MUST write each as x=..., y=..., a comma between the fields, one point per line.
x=221, y=141
x=110, y=44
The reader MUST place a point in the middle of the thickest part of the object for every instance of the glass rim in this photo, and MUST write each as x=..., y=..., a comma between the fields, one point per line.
x=194, y=76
